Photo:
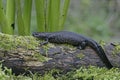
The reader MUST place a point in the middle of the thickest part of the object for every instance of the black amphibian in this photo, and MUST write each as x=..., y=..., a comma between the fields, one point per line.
x=66, y=37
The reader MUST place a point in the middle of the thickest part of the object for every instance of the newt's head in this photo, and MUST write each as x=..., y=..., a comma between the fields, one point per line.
x=41, y=35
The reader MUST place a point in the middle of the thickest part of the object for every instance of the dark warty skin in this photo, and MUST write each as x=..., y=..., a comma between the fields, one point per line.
x=77, y=40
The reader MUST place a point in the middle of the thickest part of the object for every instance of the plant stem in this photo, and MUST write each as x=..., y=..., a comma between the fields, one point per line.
x=27, y=15
x=3, y=21
x=40, y=13
x=10, y=14
x=64, y=13
x=53, y=15
x=20, y=22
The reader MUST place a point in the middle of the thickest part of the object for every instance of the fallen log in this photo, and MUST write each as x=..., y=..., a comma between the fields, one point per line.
x=23, y=54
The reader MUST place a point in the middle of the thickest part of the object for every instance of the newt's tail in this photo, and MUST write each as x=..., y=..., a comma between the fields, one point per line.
x=100, y=53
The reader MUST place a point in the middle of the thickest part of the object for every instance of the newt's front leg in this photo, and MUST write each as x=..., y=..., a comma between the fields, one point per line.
x=45, y=42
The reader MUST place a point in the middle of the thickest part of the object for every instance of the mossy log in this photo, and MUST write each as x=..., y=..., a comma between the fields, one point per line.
x=23, y=54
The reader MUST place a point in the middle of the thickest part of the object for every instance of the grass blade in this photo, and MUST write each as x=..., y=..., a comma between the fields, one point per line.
x=53, y=15
x=27, y=15
x=10, y=14
x=3, y=21
x=40, y=15
x=64, y=13
x=20, y=22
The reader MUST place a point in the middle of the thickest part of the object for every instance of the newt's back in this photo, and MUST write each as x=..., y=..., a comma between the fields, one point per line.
x=66, y=37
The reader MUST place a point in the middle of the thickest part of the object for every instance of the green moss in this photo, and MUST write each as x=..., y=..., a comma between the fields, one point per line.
x=40, y=57
x=81, y=55
x=116, y=48
x=11, y=42
x=92, y=73
x=102, y=43
x=46, y=48
x=26, y=46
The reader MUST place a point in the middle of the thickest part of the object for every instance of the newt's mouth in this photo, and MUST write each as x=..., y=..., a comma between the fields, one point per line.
x=35, y=34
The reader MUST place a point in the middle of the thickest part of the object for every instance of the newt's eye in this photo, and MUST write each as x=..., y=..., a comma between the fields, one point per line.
x=34, y=34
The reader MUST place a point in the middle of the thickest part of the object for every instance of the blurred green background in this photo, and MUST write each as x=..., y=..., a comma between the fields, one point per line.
x=95, y=18
x=98, y=19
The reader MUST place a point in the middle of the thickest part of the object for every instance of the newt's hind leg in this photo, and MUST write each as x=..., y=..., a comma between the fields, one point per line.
x=82, y=45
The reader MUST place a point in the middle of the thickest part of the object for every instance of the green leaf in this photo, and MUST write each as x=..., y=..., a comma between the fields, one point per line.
x=20, y=22
x=40, y=14
x=27, y=15
x=5, y=28
x=53, y=15
x=64, y=14
x=10, y=14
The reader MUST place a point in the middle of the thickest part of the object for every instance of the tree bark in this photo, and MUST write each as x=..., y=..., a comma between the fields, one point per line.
x=56, y=56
